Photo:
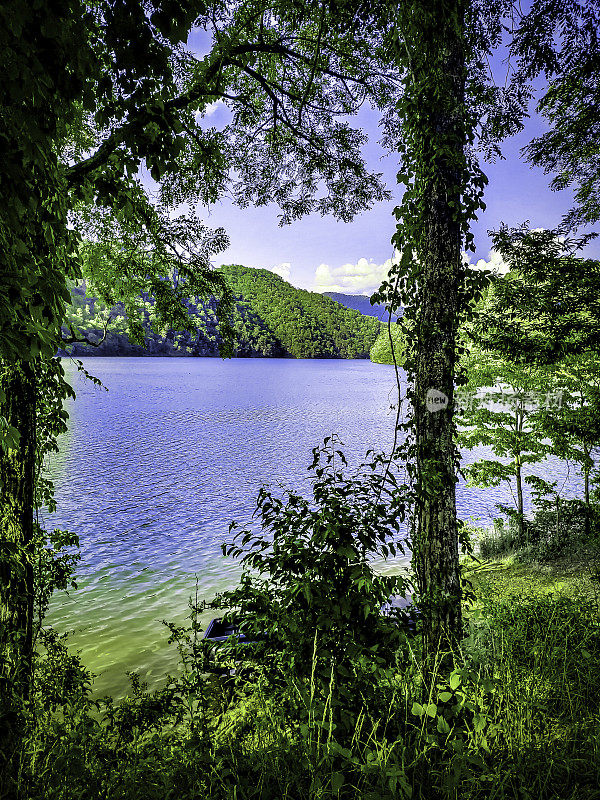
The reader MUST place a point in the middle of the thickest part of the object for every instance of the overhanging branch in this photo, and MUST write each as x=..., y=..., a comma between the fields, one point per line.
x=208, y=87
x=79, y=338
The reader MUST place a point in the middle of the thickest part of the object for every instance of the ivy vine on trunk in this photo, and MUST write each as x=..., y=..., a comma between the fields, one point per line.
x=17, y=482
x=443, y=191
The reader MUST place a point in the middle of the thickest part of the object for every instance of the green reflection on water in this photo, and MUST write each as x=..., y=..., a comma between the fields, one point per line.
x=116, y=623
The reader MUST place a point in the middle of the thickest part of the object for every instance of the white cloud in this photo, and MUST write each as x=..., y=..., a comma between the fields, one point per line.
x=283, y=270
x=495, y=263
x=212, y=107
x=364, y=277
x=209, y=109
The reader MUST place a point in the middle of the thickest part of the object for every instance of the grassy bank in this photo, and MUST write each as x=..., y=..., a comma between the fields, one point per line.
x=572, y=575
x=517, y=717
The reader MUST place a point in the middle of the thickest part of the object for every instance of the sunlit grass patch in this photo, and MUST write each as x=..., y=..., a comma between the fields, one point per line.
x=572, y=575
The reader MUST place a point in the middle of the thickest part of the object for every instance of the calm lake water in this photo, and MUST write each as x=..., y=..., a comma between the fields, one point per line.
x=152, y=471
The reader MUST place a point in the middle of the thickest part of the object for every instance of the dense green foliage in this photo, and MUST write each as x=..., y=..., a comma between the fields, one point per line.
x=269, y=318
x=548, y=306
x=92, y=95
x=44, y=62
x=347, y=706
x=308, y=324
x=309, y=601
x=561, y=41
x=517, y=718
x=389, y=346
x=557, y=528
x=531, y=369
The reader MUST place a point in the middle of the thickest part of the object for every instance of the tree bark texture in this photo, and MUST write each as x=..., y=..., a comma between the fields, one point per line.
x=17, y=488
x=435, y=538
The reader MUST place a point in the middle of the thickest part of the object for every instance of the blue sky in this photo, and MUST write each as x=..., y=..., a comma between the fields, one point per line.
x=325, y=255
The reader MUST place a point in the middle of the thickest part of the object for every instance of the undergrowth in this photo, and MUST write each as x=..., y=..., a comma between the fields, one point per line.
x=556, y=529
x=517, y=718
x=327, y=699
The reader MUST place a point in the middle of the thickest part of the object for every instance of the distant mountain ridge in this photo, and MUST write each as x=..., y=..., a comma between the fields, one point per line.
x=360, y=303
x=271, y=318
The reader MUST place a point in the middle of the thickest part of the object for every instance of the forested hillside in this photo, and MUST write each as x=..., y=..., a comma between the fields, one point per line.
x=271, y=318
x=308, y=324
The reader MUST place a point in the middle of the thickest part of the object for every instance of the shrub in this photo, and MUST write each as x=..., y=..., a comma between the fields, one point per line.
x=555, y=526
x=309, y=599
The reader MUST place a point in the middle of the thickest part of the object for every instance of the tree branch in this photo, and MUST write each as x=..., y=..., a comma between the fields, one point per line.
x=273, y=96
x=78, y=338
x=206, y=88
x=77, y=172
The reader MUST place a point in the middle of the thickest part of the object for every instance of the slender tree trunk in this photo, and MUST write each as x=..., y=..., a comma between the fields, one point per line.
x=586, y=489
x=519, y=422
x=17, y=482
x=435, y=538
x=519, y=480
x=586, y=473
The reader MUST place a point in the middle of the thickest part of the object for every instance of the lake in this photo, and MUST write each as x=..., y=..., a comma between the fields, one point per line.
x=152, y=471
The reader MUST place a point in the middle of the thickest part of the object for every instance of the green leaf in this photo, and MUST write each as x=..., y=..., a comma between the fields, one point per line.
x=455, y=681
x=442, y=725
x=417, y=709
x=337, y=781
x=479, y=722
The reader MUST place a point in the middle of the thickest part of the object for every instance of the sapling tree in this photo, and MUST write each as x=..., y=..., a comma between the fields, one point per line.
x=502, y=407
x=543, y=318
x=573, y=427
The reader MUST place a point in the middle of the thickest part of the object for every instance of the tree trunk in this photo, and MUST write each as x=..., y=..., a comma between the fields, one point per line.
x=17, y=487
x=520, y=518
x=587, y=463
x=586, y=488
x=440, y=180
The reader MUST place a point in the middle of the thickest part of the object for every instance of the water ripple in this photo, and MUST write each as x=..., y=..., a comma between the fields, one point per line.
x=150, y=474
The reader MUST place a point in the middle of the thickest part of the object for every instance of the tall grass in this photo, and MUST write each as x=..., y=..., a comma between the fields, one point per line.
x=554, y=531
x=518, y=717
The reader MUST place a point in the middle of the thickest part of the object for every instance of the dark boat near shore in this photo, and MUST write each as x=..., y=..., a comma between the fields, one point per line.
x=219, y=631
